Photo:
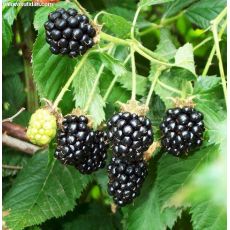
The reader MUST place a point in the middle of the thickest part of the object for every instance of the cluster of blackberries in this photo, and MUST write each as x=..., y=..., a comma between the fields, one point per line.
x=130, y=136
x=80, y=146
x=125, y=180
x=69, y=33
x=182, y=130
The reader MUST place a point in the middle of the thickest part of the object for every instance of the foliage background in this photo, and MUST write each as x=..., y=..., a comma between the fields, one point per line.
x=178, y=193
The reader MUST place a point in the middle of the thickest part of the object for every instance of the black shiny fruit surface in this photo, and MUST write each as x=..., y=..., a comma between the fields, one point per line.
x=69, y=33
x=182, y=130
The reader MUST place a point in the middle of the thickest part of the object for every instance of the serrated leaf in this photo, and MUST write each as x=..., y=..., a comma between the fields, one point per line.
x=117, y=25
x=184, y=58
x=181, y=171
x=41, y=15
x=50, y=71
x=12, y=157
x=92, y=216
x=166, y=48
x=176, y=6
x=41, y=192
x=82, y=85
x=113, y=64
x=7, y=35
x=214, y=110
x=147, y=211
x=202, y=12
x=143, y=3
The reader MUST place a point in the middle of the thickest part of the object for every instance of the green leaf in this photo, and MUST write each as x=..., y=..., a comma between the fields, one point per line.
x=181, y=171
x=125, y=77
x=83, y=84
x=184, y=58
x=92, y=216
x=13, y=93
x=205, y=215
x=117, y=25
x=214, y=110
x=202, y=12
x=113, y=64
x=176, y=6
x=143, y=3
x=9, y=14
x=7, y=35
x=12, y=157
x=41, y=192
x=12, y=57
x=147, y=211
x=166, y=48
x=41, y=15
x=50, y=71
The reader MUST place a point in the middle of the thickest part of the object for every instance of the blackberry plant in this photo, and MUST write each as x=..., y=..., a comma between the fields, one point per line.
x=145, y=99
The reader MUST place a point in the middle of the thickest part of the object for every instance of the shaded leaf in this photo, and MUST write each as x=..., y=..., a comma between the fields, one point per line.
x=41, y=192
x=82, y=85
x=117, y=25
x=152, y=2
x=202, y=12
x=6, y=36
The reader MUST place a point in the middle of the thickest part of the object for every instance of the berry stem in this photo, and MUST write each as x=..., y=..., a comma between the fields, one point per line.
x=134, y=22
x=212, y=53
x=154, y=82
x=202, y=43
x=220, y=62
x=113, y=82
x=68, y=83
x=169, y=88
x=134, y=80
x=91, y=96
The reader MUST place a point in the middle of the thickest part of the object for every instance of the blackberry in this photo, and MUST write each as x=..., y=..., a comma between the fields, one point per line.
x=80, y=146
x=125, y=180
x=69, y=33
x=97, y=154
x=74, y=139
x=130, y=135
x=42, y=127
x=182, y=130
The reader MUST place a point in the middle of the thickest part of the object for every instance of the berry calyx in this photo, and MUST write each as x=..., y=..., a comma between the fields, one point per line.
x=182, y=130
x=42, y=127
x=69, y=33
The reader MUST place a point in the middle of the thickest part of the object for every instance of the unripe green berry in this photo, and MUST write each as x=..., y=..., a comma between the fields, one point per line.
x=42, y=127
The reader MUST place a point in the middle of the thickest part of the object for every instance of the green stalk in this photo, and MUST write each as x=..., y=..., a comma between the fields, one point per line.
x=134, y=80
x=154, y=82
x=68, y=83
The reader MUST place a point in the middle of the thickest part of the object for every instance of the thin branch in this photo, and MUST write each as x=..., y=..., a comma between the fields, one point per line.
x=14, y=130
x=10, y=119
x=134, y=77
x=13, y=167
x=19, y=144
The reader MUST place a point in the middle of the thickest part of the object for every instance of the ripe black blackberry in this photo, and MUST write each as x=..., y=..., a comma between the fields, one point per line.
x=125, y=180
x=96, y=158
x=182, y=130
x=69, y=33
x=74, y=139
x=130, y=135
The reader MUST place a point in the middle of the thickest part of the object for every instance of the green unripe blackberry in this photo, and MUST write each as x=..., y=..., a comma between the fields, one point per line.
x=42, y=127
